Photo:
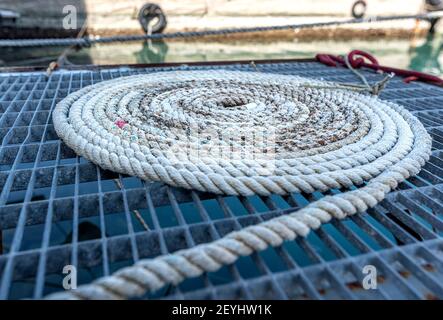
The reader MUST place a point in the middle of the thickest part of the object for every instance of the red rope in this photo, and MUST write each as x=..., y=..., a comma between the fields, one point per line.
x=357, y=58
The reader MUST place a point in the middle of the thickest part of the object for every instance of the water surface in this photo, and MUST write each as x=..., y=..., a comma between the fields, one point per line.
x=424, y=54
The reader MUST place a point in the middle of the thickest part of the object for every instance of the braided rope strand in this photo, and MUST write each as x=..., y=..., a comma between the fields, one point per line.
x=324, y=139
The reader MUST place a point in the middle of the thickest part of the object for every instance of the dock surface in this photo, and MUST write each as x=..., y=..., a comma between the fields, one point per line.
x=59, y=209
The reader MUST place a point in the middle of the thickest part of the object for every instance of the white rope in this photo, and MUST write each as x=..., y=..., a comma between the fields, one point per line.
x=307, y=138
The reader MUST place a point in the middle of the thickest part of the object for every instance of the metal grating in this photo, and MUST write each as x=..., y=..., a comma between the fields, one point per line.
x=58, y=209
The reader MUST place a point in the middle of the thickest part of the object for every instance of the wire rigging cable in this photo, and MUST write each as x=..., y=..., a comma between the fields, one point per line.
x=86, y=42
x=307, y=136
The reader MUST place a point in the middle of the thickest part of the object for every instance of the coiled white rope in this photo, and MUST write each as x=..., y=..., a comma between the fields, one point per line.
x=239, y=133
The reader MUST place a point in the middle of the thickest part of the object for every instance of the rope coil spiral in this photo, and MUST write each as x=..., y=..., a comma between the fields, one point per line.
x=239, y=133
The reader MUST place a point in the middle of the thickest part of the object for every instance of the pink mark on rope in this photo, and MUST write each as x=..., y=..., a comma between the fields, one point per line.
x=120, y=123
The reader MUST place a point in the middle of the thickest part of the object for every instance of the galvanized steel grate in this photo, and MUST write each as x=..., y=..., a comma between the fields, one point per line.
x=58, y=209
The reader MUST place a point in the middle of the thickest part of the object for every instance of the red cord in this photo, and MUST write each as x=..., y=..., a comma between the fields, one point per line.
x=357, y=59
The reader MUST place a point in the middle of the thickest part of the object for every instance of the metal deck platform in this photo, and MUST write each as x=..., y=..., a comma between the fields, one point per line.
x=58, y=209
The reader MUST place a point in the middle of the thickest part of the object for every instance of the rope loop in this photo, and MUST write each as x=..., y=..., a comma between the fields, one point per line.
x=356, y=58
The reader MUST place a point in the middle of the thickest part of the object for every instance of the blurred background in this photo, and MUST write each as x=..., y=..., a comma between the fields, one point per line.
x=404, y=44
